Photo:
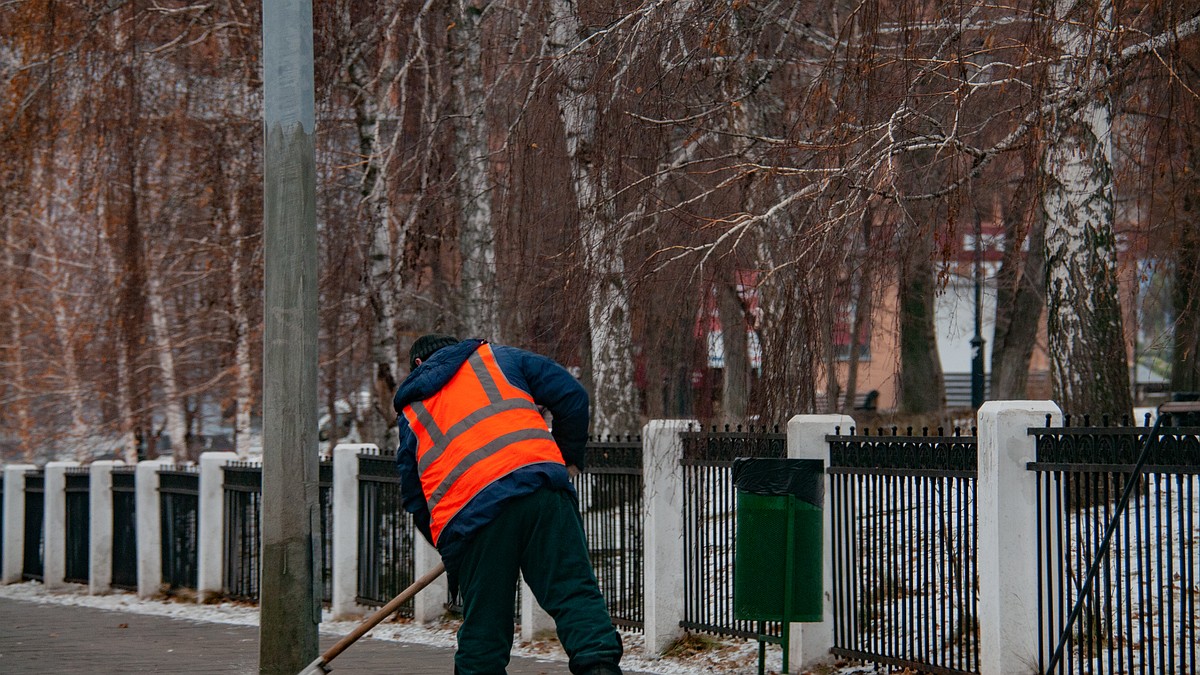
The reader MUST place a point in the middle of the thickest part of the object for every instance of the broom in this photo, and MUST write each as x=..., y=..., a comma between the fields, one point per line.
x=321, y=665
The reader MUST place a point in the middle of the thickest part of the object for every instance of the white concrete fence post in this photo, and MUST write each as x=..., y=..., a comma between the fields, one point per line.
x=1008, y=552
x=430, y=604
x=210, y=539
x=100, y=528
x=14, y=522
x=809, y=643
x=149, y=526
x=535, y=621
x=662, y=499
x=345, y=529
x=54, y=563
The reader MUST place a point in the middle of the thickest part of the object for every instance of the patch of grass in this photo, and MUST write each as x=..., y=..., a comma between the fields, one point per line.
x=166, y=592
x=690, y=644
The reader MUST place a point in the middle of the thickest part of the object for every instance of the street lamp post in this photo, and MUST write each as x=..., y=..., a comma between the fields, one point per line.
x=977, y=340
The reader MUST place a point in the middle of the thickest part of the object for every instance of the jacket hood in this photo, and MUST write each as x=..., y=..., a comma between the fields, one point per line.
x=433, y=374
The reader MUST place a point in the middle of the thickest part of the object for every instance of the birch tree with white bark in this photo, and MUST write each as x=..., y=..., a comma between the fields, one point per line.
x=1087, y=338
x=470, y=102
x=601, y=234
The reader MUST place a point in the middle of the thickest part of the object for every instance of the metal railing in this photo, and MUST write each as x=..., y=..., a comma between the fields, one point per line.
x=610, y=498
x=325, y=504
x=709, y=527
x=243, y=511
x=179, y=497
x=385, y=533
x=124, y=528
x=904, y=547
x=242, y=529
x=1141, y=613
x=78, y=526
x=34, y=555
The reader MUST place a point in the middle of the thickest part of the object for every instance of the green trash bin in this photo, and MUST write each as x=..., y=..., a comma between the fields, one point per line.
x=778, y=572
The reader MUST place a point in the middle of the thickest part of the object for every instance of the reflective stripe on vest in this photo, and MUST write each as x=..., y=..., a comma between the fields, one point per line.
x=475, y=430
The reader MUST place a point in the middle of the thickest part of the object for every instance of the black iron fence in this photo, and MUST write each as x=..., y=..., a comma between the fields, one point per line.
x=124, y=528
x=34, y=555
x=385, y=533
x=179, y=492
x=78, y=524
x=904, y=543
x=709, y=527
x=243, y=510
x=610, y=499
x=325, y=504
x=1140, y=615
x=243, y=536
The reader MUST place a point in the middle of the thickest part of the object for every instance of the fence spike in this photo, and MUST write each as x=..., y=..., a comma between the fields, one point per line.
x=1104, y=420
x=1087, y=420
x=910, y=431
x=739, y=428
x=1147, y=417
x=895, y=430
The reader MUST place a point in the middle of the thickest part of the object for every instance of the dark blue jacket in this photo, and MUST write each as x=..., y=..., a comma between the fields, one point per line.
x=551, y=387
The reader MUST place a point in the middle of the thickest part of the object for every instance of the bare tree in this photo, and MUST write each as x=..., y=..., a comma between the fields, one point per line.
x=601, y=235
x=1087, y=341
x=472, y=157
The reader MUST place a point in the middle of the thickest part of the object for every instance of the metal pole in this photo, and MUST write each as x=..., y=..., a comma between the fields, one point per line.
x=977, y=341
x=788, y=583
x=290, y=609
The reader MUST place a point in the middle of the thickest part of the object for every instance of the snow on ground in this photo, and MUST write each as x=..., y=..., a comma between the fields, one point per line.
x=699, y=656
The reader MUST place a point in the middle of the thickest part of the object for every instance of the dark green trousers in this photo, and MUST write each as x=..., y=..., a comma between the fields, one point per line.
x=540, y=535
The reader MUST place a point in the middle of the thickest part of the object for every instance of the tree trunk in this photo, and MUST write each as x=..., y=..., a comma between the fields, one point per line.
x=17, y=384
x=121, y=221
x=833, y=386
x=614, y=406
x=735, y=385
x=64, y=323
x=1088, y=363
x=373, y=103
x=922, y=388
x=476, y=241
x=863, y=306
x=1185, y=364
x=243, y=366
x=172, y=403
x=1020, y=297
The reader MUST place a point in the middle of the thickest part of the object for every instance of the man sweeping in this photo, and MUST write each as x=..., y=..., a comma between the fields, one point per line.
x=488, y=484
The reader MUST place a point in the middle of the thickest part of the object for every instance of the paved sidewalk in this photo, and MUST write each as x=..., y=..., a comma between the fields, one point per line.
x=50, y=638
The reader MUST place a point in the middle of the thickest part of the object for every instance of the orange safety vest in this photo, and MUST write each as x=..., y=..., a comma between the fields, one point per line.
x=475, y=430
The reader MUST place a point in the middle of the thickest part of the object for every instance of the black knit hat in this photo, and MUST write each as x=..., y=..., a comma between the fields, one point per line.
x=426, y=345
